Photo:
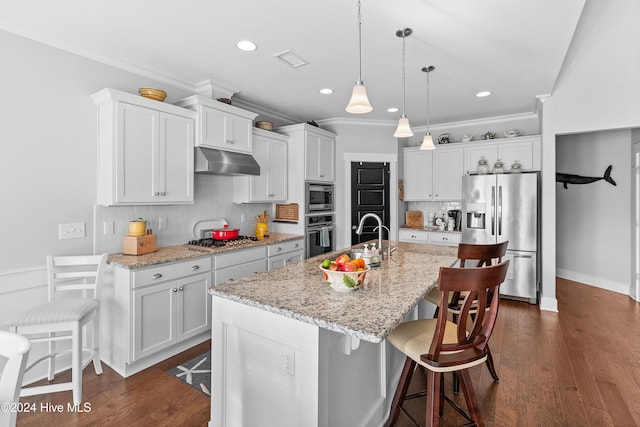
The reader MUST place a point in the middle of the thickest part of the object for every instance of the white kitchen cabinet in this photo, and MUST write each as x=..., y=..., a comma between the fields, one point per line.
x=526, y=150
x=413, y=235
x=450, y=239
x=418, y=174
x=270, y=150
x=447, y=173
x=432, y=174
x=145, y=151
x=151, y=313
x=241, y=263
x=221, y=125
x=319, y=156
x=285, y=253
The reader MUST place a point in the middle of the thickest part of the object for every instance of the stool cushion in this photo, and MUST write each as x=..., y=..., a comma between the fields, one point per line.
x=414, y=339
x=59, y=311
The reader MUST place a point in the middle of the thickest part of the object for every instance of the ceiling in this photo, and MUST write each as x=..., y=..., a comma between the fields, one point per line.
x=514, y=49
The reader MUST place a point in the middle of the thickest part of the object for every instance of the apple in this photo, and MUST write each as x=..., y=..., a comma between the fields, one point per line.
x=333, y=267
x=341, y=260
x=349, y=266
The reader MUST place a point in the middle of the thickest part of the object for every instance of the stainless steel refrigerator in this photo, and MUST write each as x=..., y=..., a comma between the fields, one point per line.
x=501, y=207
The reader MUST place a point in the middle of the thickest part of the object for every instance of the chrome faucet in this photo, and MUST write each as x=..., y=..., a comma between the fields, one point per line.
x=379, y=227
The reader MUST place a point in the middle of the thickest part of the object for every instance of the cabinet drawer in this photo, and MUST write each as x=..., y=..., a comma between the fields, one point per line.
x=164, y=272
x=240, y=257
x=284, y=247
x=239, y=271
x=417, y=236
x=444, y=238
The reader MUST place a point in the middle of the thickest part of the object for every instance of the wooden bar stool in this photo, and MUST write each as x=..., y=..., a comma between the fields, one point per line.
x=440, y=345
x=64, y=319
x=479, y=255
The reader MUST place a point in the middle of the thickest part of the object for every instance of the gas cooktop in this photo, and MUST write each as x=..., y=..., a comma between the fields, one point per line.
x=212, y=243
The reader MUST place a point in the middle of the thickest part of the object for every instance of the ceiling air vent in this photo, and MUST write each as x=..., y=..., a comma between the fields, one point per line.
x=290, y=58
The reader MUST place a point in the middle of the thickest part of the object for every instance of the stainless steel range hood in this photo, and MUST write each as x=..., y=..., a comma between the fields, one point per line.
x=209, y=160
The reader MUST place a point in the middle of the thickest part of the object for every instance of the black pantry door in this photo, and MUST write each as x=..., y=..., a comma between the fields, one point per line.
x=369, y=193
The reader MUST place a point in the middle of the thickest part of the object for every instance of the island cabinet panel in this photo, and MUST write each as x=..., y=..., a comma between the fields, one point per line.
x=239, y=264
x=285, y=253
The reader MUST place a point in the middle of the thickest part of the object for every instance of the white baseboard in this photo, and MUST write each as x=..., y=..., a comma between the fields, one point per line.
x=598, y=282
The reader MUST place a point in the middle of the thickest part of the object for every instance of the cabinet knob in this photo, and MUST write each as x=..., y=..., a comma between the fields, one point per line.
x=429, y=195
x=230, y=141
x=195, y=267
x=174, y=290
x=181, y=288
x=296, y=245
x=163, y=194
x=157, y=193
x=279, y=249
x=321, y=175
x=156, y=276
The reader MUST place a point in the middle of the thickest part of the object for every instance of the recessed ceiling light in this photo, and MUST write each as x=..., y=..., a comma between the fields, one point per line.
x=246, y=45
x=392, y=110
x=483, y=94
x=326, y=91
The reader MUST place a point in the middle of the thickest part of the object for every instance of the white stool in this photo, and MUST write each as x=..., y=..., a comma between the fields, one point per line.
x=15, y=349
x=64, y=319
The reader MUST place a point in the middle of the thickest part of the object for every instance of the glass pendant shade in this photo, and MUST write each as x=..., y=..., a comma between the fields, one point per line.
x=404, y=129
x=359, y=103
x=427, y=143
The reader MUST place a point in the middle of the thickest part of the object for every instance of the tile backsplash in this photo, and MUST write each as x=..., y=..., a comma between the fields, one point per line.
x=438, y=208
x=213, y=199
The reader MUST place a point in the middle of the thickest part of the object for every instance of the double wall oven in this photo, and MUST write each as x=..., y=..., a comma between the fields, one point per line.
x=319, y=218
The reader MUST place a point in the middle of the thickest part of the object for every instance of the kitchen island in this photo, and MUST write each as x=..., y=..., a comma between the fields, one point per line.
x=288, y=350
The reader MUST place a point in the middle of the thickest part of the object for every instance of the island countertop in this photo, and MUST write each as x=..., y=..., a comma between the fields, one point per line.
x=390, y=292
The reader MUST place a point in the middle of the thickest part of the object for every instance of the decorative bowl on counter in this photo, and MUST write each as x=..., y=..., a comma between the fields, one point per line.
x=344, y=281
x=155, y=94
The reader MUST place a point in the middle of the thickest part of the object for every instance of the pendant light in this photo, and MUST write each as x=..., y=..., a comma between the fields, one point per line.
x=404, y=129
x=427, y=141
x=359, y=103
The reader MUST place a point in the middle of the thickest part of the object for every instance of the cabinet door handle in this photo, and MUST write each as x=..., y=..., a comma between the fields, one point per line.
x=321, y=175
x=279, y=249
x=174, y=290
x=195, y=267
x=296, y=245
x=156, y=276
x=230, y=141
x=181, y=288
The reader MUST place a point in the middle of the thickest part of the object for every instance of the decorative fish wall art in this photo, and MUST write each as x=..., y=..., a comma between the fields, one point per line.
x=566, y=178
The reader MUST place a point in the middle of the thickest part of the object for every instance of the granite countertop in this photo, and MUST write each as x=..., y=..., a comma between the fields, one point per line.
x=389, y=293
x=175, y=253
x=433, y=228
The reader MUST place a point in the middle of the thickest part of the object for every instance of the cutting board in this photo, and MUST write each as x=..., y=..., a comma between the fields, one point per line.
x=414, y=219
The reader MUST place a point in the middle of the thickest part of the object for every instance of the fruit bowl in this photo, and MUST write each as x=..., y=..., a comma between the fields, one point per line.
x=344, y=281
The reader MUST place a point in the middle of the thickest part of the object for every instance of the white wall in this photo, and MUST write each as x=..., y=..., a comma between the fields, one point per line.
x=593, y=238
x=597, y=89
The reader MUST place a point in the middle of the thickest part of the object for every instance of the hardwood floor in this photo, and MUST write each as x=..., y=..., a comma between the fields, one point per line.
x=578, y=367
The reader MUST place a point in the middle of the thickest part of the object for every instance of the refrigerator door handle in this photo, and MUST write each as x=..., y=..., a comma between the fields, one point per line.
x=493, y=210
x=500, y=210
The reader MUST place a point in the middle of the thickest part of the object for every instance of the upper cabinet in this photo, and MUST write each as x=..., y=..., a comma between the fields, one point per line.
x=432, y=174
x=524, y=150
x=221, y=125
x=319, y=156
x=145, y=150
x=271, y=152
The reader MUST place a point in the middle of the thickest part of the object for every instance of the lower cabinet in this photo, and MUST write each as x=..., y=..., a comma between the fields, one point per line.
x=167, y=313
x=433, y=237
x=149, y=314
x=241, y=263
x=285, y=253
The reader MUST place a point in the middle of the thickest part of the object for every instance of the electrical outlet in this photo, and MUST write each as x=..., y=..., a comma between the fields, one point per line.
x=108, y=227
x=289, y=363
x=162, y=223
x=71, y=231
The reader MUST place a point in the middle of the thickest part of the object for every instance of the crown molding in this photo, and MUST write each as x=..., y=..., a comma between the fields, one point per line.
x=487, y=121
x=282, y=118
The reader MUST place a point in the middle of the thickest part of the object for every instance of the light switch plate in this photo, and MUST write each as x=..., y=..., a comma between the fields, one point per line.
x=74, y=230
